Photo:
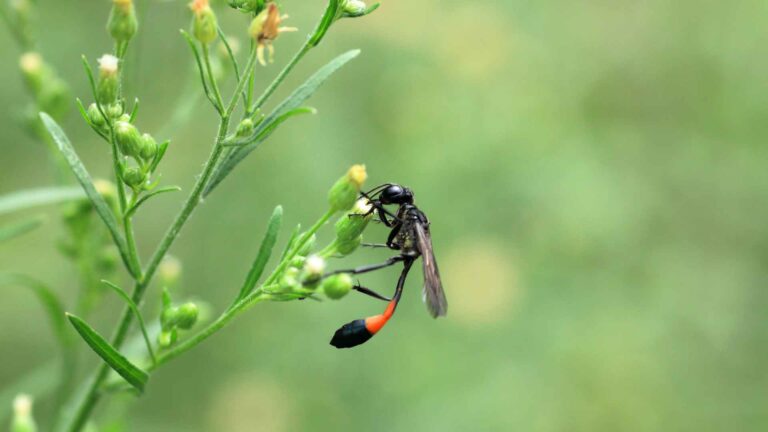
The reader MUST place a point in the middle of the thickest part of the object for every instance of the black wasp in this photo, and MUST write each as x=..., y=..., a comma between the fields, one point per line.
x=409, y=234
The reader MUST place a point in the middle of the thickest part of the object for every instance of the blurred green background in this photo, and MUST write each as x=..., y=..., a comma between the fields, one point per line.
x=595, y=173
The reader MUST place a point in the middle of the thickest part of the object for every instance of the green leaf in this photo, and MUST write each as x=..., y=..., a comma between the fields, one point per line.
x=267, y=130
x=291, y=103
x=37, y=197
x=16, y=229
x=130, y=372
x=53, y=306
x=265, y=252
x=131, y=304
x=84, y=178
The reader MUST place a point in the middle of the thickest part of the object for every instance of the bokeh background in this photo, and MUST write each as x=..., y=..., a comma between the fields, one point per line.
x=595, y=173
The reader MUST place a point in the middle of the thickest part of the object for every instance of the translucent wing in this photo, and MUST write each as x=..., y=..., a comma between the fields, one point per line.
x=434, y=296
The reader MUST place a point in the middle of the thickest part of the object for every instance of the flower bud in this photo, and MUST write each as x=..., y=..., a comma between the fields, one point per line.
x=314, y=267
x=250, y=6
x=337, y=286
x=122, y=24
x=115, y=111
x=128, y=139
x=22, y=415
x=354, y=7
x=186, y=315
x=204, y=25
x=133, y=177
x=148, y=147
x=108, y=191
x=244, y=128
x=95, y=116
x=350, y=226
x=109, y=83
x=289, y=282
x=346, y=247
x=344, y=193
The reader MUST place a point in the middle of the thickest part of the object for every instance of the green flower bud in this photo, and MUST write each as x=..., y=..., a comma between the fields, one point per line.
x=33, y=69
x=128, y=139
x=95, y=116
x=204, y=25
x=290, y=281
x=350, y=226
x=22, y=415
x=115, y=111
x=108, y=191
x=50, y=92
x=346, y=247
x=298, y=261
x=149, y=147
x=186, y=315
x=250, y=6
x=308, y=246
x=108, y=86
x=133, y=177
x=337, y=286
x=244, y=128
x=345, y=191
x=122, y=24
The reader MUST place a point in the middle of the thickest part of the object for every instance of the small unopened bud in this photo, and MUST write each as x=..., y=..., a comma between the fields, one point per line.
x=148, y=147
x=290, y=281
x=204, y=25
x=345, y=191
x=351, y=225
x=186, y=315
x=95, y=116
x=122, y=24
x=133, y=177
x=128, y=139
x=22, y=415
x=109, y=83
x=354, y=7
x=346, y=247
x=107, y=190
x=314, y=267
x=337, y=286
x=244, y=128
x=169, y=271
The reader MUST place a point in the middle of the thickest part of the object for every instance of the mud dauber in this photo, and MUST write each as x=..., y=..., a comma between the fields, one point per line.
x=410, y=236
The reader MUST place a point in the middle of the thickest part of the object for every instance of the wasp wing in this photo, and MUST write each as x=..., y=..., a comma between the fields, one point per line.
x=433, y=293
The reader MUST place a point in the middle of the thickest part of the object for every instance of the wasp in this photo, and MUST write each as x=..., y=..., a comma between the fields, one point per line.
x=409, y=236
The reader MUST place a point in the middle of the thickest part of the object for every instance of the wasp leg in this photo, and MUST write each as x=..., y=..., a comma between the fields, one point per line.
x=374, y=245
x=370, y=292
x=369, y=268
x=391, y=238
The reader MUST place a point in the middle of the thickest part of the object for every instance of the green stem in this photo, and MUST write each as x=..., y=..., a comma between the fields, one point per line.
x=246, y=302
x=209, y=70
x=281, y=76
x=92, y=395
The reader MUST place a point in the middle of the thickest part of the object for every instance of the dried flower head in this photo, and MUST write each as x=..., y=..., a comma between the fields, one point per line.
x=265, y=28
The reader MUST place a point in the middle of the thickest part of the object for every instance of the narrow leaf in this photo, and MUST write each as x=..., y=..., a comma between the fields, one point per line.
x=265, y=252
x=37, y=197
x=331, y=14
x=130, y=372
x=292, y=102
x=144, y=198
x=53, y=306
x=16, y=229
x=124, y=295
x=267, y=130
x=84, y=178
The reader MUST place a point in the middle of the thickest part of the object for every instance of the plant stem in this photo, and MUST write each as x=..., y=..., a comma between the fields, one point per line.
x=211, y=78
x=254, y=297
x=281, y=76
x=92, y=395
